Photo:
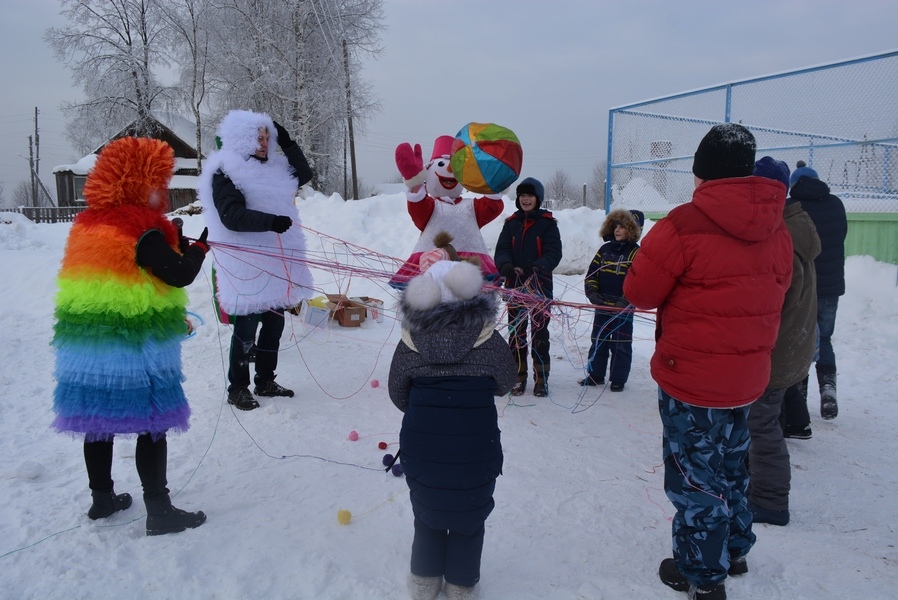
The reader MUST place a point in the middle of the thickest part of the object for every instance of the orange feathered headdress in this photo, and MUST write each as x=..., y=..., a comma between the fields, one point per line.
x=127, y=171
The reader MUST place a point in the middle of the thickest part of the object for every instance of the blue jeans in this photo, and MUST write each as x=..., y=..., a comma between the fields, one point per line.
x=826, y=322
x=706, y=479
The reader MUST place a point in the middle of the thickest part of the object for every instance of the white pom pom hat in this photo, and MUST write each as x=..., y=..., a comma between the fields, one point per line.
x=444, y=281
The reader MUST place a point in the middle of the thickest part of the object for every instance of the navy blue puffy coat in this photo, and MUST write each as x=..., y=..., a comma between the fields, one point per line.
x=444, y=375
x=828, y=214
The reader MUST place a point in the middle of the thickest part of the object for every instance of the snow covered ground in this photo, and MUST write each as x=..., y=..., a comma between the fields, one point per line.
x=580, y=510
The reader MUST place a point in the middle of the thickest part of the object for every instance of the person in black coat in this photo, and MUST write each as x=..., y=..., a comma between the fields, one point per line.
x=828, y=214
x=527, y=251
x=446, y=370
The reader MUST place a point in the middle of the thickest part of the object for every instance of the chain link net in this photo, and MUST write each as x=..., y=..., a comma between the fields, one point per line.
x=840, y=119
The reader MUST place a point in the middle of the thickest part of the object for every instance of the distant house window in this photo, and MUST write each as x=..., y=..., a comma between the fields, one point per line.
x=79, y=187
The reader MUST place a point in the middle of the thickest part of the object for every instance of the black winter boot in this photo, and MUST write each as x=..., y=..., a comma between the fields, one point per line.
x=269, y=387
x=106, y=503
x=98, y=459
x=152, y=465
x=795, y=419
x=826, y=377
x=541, y=386
x=164, y=518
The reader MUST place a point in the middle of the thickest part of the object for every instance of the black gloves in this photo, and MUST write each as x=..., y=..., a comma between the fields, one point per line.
x=280, y=224
x=283, y=138
x=201, y=241
x=507, y=270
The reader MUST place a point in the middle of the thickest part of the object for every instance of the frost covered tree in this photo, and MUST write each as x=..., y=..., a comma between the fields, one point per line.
x=191, y=22
x=286, y=58
x=560, y=189
x=114, y=49
x=596, y=186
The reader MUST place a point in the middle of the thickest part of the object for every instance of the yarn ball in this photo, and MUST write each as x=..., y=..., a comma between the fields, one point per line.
x=388, y=458
x=353, y=436
x=382, y=445
x=344, y=516
x=486, y=158
x=397, y=470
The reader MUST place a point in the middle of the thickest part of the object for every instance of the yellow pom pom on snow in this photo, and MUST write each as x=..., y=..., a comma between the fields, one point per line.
x=344, y=516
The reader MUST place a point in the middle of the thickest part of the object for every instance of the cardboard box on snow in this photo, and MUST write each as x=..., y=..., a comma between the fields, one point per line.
x=375, y=307
x=315, y=312
x=345, y=311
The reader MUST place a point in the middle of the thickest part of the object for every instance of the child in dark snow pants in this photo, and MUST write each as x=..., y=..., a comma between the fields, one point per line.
x=446, y=370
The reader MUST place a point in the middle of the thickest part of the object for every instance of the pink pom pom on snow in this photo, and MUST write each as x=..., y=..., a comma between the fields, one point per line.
x=374, y=383
x=353, y=436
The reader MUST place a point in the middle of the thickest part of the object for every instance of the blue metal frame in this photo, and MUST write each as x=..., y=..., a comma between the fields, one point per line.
x=887, y=143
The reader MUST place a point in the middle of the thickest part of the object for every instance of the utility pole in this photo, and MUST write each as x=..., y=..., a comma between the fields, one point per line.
x=37, y=146
x=355, y=181
x=31, y=170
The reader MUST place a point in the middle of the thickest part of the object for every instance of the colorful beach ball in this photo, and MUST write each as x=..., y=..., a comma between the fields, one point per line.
x=486, y=158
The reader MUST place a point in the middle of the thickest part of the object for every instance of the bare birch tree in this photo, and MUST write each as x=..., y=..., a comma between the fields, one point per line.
x=191, y=22
x=560, y=189
x=114, y=49
x=285, y=58
x=597, y=186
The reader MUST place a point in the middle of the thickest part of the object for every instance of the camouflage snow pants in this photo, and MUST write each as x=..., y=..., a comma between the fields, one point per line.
x=706, y=479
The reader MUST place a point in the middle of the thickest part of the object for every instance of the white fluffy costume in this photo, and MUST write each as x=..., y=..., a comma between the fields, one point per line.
x=256, y=271
x=435, y=203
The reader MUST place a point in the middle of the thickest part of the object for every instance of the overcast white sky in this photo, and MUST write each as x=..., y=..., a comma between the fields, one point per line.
x=549, y=71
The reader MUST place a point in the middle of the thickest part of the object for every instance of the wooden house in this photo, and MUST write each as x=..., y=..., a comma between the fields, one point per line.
x=176, y=131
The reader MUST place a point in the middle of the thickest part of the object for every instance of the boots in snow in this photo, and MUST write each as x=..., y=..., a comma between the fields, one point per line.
x=520, y=386
x=98, y=460
x=590, y=380
x=671, y=577
x=106, y=503
x=164, y=518
x=152, y=466
x=424, y=588
x=269, y=387
x=794, y=417
x=826, y=377
x=541, y=385
x=461, y=592
x=242, y=399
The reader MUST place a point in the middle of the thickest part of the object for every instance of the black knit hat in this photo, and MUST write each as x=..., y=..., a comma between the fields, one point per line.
x=728, y=150
x=533, y=186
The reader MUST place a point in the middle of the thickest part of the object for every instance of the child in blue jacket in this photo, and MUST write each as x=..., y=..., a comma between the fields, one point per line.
x=612, y=327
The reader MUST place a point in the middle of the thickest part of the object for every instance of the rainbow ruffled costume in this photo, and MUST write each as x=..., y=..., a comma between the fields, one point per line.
x=118, y=328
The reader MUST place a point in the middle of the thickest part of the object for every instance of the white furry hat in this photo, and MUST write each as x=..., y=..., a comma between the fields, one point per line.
x=444, y=281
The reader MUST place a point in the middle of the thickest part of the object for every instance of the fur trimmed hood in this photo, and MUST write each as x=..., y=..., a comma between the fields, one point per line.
x=629, y=220
x=239, y=131
x=463, y=314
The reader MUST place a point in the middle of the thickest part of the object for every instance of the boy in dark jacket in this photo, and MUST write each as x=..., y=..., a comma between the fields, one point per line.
x=828, y=214
x=612, y=326
x=446, y=370
x=528, y=250
x=770, y=469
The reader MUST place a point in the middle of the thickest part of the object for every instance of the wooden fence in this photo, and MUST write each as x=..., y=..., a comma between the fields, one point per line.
x=51, y=214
